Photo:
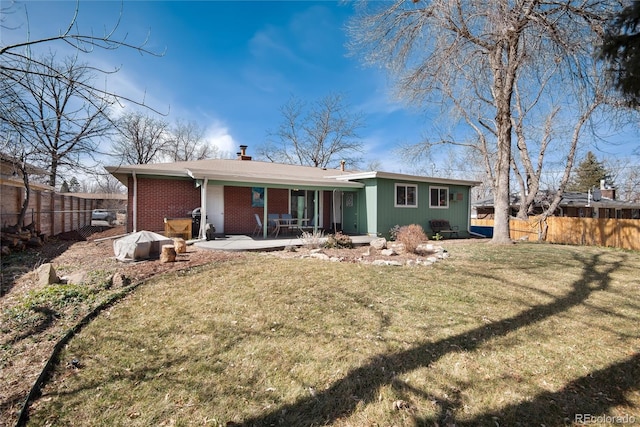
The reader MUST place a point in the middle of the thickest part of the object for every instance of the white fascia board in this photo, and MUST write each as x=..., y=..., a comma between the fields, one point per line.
x=404, y=177
x=259, y=178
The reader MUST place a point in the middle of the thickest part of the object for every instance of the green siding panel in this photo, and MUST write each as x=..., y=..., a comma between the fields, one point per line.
x=382, y=214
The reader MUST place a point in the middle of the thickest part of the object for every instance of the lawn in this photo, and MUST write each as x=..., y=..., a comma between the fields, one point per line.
x=530, y=334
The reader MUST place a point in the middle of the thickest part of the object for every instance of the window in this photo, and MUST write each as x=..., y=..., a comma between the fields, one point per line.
x=406, y=196
x=438, y=197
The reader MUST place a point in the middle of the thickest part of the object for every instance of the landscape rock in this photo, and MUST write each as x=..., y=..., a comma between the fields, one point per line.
x=397, y=247
x=388, y=252
x=47, y=275
x=77, y=278
x=119, y=280
x=379, y=243
x=319, y=255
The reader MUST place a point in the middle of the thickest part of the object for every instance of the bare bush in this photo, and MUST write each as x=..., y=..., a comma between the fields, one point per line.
x=339, y=241
x=411, y=236
x=313, y=239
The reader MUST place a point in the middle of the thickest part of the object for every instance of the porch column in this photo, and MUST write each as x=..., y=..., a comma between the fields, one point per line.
x=265, y=210
x=203, y=208
x=135, y=203
x=316, y=210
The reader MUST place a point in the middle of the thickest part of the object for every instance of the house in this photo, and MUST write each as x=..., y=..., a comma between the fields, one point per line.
x=231, y=192
x=601, y=203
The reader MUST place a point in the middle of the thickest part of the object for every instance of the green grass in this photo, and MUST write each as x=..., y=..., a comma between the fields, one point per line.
x=523, y=335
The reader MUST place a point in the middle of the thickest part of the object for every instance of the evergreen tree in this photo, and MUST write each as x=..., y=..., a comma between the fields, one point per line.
x=588, y=174
x=74, y=185
x=621, y=49
x=64, y=187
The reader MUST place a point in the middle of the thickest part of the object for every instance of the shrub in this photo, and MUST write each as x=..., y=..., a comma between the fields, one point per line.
x=312, y=240
x=339, y=241
x=411, y=236
x=393, y=232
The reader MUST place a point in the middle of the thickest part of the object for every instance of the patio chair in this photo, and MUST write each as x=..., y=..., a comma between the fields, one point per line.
x=270, y=219
x=258, y=228
x=288, y=222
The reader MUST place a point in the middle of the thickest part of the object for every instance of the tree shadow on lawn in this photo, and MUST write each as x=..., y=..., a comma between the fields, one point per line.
x=588, y=396
x=361, y=385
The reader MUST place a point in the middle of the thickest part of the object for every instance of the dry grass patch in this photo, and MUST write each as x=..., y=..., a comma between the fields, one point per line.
x=530, y=334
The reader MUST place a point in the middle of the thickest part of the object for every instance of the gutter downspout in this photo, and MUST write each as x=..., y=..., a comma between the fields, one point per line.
x=203, y=209
x=316, y=211
x=135, y=202
x=333, y=203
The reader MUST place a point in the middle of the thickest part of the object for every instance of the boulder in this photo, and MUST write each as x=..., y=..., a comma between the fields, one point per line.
x=76, y=278
x=119, y=280
x=397, y=247
x=379, y=243
x=47, y=275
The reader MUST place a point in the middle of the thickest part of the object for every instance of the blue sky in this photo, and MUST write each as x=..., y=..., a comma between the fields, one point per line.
x=230, y=66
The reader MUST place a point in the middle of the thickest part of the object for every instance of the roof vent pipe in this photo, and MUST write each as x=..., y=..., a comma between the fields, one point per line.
x=342, y=163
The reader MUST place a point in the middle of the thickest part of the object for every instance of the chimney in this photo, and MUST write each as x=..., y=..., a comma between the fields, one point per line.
x=607, y=191
x=242, y=155
x=342, y=163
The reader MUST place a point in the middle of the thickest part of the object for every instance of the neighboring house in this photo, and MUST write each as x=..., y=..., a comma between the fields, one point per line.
x=601, y=203
x=231, y=192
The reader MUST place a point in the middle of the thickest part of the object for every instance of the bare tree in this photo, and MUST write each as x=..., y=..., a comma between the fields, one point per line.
x=500, y=68
x=17, y=60
x=18, y=66
x=320, y=135
x=60, y=119
x=103, y=183
x=142, y=139
x=185, y=142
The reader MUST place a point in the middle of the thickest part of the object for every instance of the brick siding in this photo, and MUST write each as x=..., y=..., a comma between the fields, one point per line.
x=174, y=198
x=159, y=199
x=239, y=216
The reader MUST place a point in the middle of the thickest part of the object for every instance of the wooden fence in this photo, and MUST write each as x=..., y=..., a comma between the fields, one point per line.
x=617, y=233
x=51, y=213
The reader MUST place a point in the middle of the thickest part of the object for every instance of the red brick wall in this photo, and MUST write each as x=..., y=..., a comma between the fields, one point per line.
x=174, y=198
x=159, y=199
x=239, y=216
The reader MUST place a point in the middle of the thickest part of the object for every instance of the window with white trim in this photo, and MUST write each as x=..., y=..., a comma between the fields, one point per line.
x=406, y=196
x=439, y=197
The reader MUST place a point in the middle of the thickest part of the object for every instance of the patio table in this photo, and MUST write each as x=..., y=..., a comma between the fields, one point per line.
x=288, y=223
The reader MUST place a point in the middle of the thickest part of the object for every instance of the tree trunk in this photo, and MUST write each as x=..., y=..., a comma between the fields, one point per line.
x=504, y=75
x=27, y=196
x=501, y=191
